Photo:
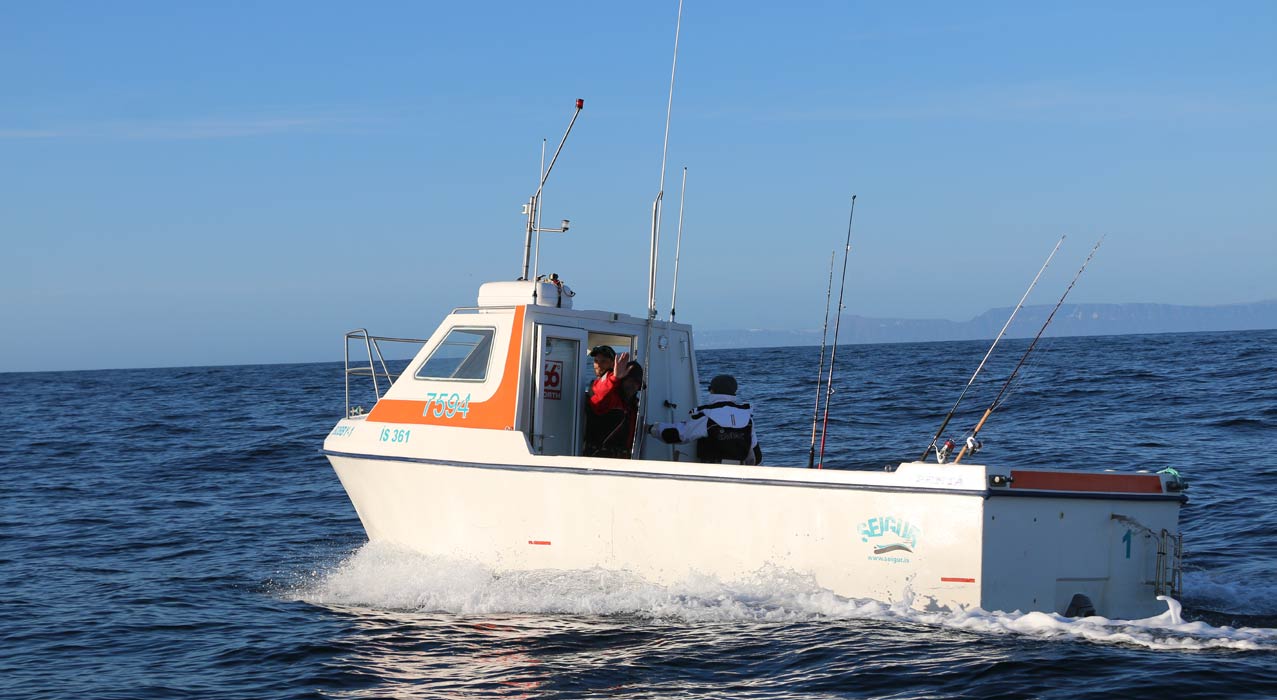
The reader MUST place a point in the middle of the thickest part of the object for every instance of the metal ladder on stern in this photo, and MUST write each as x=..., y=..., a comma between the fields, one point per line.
x=1168, y=568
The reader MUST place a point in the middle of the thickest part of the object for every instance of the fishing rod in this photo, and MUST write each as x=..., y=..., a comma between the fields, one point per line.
x=972, y=444
x=820, y=369
x=971, y=381
x=833, y=352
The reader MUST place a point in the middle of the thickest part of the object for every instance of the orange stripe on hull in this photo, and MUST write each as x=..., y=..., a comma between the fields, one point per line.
x=497, y=413
x=1071, y=481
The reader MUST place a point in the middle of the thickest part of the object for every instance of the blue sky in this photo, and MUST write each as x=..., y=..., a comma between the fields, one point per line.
x=188, y=184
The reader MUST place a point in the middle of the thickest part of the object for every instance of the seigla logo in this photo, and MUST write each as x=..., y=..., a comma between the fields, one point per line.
x=890, y=536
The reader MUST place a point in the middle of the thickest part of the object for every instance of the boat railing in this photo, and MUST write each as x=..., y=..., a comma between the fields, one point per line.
x=376, y=368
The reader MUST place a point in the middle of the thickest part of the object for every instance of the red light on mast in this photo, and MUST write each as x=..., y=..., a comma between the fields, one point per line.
x=580, y=103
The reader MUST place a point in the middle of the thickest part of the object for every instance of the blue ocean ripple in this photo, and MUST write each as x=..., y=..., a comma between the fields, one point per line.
x=178, y=536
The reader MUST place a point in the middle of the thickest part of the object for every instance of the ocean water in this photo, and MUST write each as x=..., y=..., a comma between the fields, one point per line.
x=174, y=533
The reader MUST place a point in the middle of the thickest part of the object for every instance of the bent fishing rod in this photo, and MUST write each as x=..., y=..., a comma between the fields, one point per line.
x=820, y=369
x=833, y=352
x=978, y=369
x=972, y=444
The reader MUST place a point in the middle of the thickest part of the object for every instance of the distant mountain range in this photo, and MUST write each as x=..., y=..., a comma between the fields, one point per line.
x=1071, y=319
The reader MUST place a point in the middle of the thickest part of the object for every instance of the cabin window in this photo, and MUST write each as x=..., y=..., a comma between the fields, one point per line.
x=618, y=343
x=463, y=355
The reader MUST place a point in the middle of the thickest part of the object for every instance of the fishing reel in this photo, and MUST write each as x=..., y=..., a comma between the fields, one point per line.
x=973, y=445
x=943, y=451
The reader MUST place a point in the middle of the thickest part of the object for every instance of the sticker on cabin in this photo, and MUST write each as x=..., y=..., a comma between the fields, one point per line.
x=893, y=539
x=553, y=381
x=446, y=405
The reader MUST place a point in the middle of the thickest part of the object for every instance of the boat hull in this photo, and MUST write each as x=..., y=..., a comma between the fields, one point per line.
x=936, y=537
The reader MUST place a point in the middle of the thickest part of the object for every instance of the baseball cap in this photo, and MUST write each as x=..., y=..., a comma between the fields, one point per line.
x=604, y=350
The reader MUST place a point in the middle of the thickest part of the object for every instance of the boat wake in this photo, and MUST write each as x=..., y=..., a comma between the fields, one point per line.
x=383, y=577
x=1241, y=594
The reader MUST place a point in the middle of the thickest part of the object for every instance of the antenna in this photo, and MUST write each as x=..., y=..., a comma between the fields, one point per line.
x=636, y=451
x=531, y=209
x=536, y=258
x=660, y=193
x=678, y=244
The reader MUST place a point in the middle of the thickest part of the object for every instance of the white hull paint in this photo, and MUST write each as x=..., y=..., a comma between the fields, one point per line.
x=938, y=536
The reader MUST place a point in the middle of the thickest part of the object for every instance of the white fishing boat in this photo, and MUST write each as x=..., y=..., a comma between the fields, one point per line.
x=477, y=451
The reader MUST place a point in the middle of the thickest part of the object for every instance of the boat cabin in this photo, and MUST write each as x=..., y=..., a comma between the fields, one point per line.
x=519, y=361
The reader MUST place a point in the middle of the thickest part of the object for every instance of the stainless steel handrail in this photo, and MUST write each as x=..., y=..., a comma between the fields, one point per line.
x=372, y=350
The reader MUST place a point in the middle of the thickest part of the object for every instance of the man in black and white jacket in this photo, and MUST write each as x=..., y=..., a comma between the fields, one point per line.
x=723, y=428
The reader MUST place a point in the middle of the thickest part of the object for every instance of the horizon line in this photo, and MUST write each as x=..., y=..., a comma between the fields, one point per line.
x=711, y=349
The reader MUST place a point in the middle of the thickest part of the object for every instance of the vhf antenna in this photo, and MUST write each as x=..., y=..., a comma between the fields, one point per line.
x=678, y=245
x=636, y=450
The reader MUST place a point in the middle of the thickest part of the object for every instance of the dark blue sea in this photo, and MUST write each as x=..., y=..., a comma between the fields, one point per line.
x=174, y=533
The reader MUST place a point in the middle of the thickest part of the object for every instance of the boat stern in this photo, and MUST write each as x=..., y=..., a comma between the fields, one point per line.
x=1082, y=543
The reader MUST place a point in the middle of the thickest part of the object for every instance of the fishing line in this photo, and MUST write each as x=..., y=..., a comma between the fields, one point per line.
x=1030, y=368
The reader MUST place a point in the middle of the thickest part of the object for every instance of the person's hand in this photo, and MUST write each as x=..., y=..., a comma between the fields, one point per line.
x=622, y=366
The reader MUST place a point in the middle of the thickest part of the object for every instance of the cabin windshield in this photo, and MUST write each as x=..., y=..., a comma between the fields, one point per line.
x=462, y=355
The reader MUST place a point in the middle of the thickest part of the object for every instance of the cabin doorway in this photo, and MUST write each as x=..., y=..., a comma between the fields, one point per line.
x=556, y=408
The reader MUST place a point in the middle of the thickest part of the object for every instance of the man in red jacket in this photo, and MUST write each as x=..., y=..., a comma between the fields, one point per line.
x=613, y=399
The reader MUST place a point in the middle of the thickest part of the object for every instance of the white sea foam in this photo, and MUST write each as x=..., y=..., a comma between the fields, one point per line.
x=1242, y=595
x=387, y=578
